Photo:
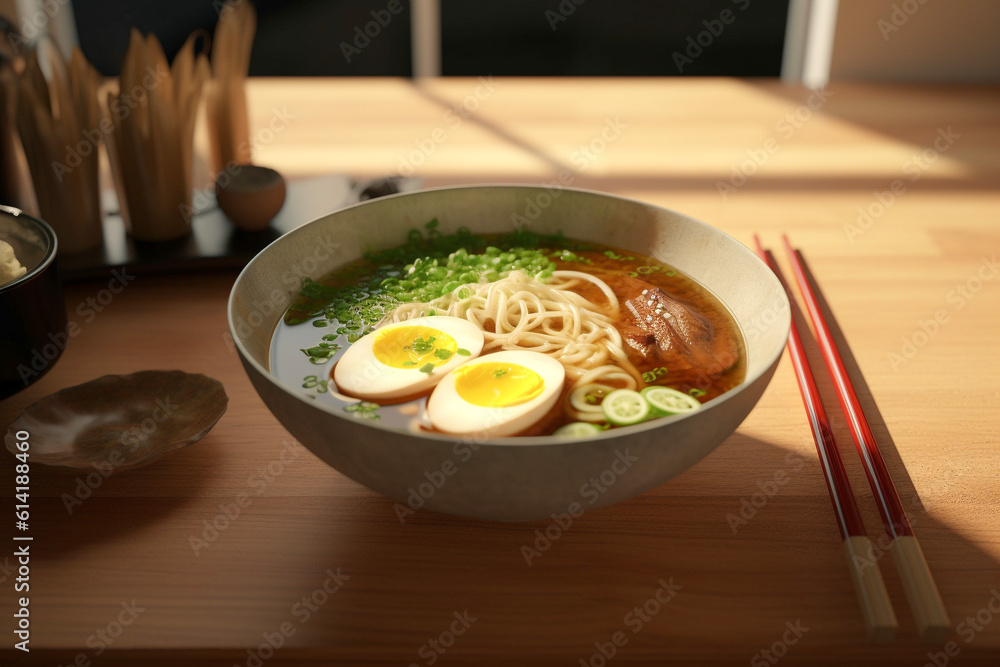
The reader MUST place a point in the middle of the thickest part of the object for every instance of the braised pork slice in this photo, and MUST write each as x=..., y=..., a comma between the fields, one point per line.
x=668, y=332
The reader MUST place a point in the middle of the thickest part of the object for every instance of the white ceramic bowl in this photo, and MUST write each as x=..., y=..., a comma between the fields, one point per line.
x=511, y=479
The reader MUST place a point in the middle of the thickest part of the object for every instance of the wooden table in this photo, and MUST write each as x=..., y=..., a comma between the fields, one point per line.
x=123, y=563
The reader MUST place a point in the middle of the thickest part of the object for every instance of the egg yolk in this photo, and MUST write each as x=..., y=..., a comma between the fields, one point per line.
x=493, y=384
x=413, y=347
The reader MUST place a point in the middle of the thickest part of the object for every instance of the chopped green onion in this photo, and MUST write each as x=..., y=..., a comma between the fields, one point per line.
x=430, y=265
x=578, y=430
x=588, y=398
x=624, y=407
x=364, y=410
x=652, y=376
x=667, y=401
x=421, y=346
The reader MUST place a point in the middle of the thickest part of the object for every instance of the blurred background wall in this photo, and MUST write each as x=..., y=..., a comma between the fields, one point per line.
x=884, y=40
x=935, y=41
x=512, y=37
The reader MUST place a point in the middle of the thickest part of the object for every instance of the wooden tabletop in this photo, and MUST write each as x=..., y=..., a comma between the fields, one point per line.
x=737, y=560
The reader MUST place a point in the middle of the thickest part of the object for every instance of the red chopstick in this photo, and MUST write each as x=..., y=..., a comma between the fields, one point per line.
x=921, y=591
x=876, y=608
x=844, y=505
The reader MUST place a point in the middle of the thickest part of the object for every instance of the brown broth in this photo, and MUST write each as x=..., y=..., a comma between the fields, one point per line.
x=619, y=268
x=615, y=272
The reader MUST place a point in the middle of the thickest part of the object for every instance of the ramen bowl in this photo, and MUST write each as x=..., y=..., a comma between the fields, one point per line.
x=512, y=478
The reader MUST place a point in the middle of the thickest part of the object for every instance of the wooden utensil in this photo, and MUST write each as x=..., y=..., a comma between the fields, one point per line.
x=921, y=591
x=876, y=608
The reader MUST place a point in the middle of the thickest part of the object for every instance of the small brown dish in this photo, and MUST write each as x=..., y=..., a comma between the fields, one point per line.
x=117, y=422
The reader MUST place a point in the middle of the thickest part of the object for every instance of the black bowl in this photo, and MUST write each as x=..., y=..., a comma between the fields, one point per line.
x=32, y=310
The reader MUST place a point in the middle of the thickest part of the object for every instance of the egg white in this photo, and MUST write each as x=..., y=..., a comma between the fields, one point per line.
x=360, y=374
x=450, y=413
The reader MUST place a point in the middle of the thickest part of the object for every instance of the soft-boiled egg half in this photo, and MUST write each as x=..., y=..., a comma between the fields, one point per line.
x=404, y=360
x=498, y=394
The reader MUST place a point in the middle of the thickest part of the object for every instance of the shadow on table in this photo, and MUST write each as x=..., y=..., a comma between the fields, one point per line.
x=82, y=507
x=715, y=560
x=960, y=132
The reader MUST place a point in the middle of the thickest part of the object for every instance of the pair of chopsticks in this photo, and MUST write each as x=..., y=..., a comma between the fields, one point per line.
x=921, y=592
